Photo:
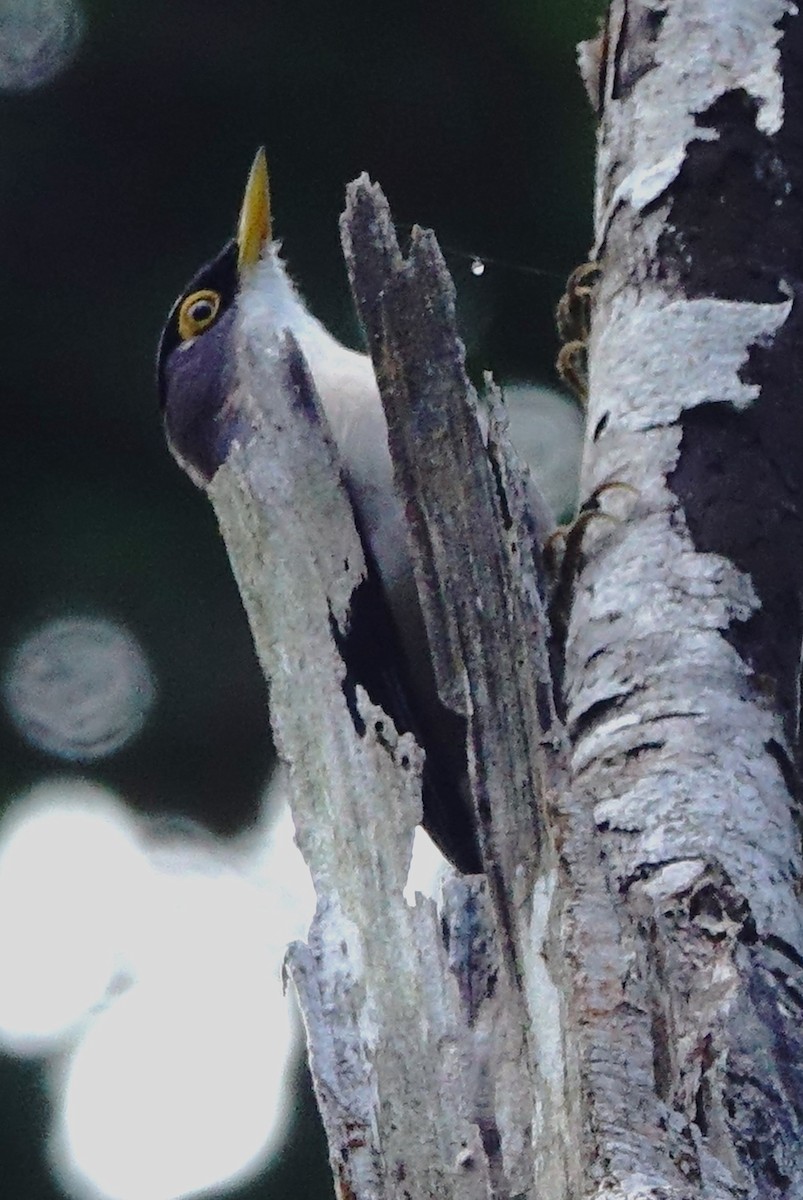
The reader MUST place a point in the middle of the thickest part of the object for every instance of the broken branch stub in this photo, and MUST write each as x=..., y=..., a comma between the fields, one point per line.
x=474, y=536
x=415, y=1038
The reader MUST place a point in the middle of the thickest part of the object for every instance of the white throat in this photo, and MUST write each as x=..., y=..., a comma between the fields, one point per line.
x=345, y=382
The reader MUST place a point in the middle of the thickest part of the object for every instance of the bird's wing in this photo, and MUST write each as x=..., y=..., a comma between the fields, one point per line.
x=374, y=659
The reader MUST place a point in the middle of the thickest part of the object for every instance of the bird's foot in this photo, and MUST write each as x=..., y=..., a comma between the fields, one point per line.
x=573, y=319
x=563, y=553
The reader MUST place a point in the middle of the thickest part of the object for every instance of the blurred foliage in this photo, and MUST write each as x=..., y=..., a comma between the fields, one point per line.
x=117, y=180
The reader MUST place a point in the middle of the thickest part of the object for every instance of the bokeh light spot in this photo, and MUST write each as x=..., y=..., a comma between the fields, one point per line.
x=546, y=430
x=175, y=1089
x=181, y=1084
x=38, y=39
x=79, y=688
x=428, y=868
x=69, y=868
x=149, y=966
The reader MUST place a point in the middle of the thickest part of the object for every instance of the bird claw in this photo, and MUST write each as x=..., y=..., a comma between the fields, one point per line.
x=573, y=319
x=563, y=550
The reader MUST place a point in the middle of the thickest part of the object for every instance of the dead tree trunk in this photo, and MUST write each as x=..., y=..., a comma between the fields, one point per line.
x=617, y=1011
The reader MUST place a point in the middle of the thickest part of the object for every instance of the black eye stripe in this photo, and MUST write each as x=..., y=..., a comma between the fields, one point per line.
x=220, y=276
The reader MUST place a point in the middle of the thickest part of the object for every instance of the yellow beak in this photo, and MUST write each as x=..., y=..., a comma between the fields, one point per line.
x=254, y=227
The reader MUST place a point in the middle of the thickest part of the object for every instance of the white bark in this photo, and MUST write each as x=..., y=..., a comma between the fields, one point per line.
x=617, y=1014
x=678, y=753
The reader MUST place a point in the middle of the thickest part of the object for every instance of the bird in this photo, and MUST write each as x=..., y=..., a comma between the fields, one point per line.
x=386, y=648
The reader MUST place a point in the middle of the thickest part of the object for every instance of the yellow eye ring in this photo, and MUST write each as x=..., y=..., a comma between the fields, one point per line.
x=197, y=313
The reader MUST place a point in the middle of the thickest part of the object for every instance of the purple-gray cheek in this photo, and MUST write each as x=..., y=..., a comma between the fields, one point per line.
x=200, y=376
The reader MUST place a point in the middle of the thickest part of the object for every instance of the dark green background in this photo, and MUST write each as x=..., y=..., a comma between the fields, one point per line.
x=118, y=179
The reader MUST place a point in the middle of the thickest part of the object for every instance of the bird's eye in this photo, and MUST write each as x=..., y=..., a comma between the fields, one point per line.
x=197, y=313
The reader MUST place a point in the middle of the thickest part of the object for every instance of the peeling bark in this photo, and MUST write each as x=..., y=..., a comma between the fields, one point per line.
x=684, y=645
x=614, y=1010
